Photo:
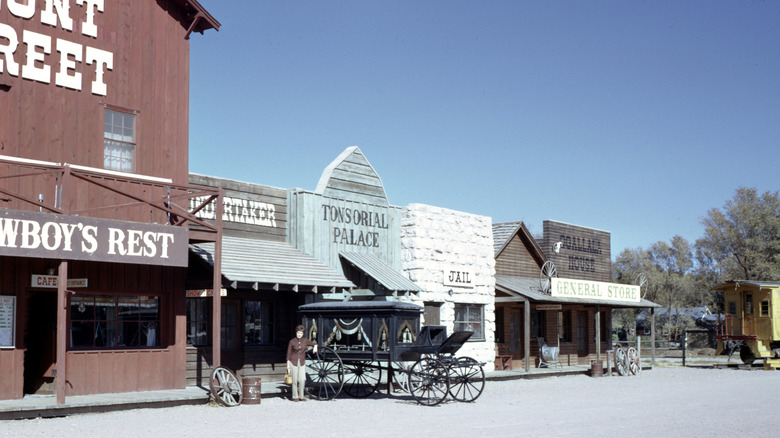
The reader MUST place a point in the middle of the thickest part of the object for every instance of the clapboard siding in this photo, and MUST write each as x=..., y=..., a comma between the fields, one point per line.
x=585, y=253
x=150, y=75
x=516, y=260
x=251, y=192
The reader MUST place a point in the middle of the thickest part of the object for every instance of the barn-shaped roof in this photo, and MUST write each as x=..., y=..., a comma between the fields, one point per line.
x=350, y=176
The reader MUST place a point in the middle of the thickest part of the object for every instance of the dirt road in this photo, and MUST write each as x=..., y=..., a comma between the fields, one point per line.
x=663, y=402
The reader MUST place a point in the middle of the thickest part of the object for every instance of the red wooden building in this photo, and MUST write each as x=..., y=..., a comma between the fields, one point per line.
x=95, y=217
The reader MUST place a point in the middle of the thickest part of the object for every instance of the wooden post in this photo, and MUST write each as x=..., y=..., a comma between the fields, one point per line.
x=527, y=334
x=598, y=333
x=652, y=336
x=62, y=330
x=216, y=313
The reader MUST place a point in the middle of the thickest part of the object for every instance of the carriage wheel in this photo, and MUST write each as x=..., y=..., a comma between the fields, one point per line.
x=634, y=365
x=400, y=373
x=324, y=374
x=621, y=361
x=225, y=387
x=429, y=381
x=361, y=378
x=467, y=379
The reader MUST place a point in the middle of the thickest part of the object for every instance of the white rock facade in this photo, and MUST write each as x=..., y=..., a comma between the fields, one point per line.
x=439, y=245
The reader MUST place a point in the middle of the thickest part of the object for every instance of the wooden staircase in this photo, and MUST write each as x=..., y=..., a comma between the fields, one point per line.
x=770, y=362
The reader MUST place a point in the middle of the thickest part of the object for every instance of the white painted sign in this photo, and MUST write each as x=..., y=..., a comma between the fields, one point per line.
x=595, y=290
x=7, y=320
x=458, y=277
x=50, y=282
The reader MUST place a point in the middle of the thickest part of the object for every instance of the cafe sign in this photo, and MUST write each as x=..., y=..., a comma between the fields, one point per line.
x=595, y=290
x=54, y=236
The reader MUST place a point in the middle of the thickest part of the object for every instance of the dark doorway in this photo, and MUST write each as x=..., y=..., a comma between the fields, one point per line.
x=40, y=343
x=582, y=337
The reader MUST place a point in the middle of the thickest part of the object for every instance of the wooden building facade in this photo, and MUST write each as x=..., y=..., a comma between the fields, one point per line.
x=94, y=195
x=570, y=312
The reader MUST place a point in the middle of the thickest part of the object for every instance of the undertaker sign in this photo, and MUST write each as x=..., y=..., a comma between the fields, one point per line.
x=44, y=235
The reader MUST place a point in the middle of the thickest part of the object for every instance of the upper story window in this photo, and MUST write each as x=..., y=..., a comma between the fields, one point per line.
x=119, y=141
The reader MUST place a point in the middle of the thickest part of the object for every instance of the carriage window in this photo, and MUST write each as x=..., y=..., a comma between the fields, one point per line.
x=258, y=323
x=749, y=304
x=469, y=317
x=732, y=308
x=765, y=308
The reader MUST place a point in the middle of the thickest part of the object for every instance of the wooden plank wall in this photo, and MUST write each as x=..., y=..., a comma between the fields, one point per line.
x=516, y=260
x=585, y=253
x=252, y=192
x=150, y=75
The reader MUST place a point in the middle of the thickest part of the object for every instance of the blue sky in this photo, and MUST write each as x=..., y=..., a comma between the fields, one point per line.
x=634, y=117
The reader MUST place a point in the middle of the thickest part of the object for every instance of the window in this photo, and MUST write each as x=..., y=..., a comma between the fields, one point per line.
x=106, y=321
x=564, y=325
x=258, y=323
x=749, y=304
x=198, y=321
x=500, y=334
x=765, y=308
x=469, y=317
x=119, y=141
x=732, y=308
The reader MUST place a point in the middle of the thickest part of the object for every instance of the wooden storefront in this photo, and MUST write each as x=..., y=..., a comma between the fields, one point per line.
x=568, y=315
x=93, y=195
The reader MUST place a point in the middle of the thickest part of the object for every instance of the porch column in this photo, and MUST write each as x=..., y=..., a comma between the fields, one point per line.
x=62, y=329
x=216, y=313
x=527, y=334
x=598, y=333
x=652, y=336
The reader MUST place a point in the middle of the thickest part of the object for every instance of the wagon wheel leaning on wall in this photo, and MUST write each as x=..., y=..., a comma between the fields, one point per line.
x=621, y=361
x=546, y=275
x=634, y=364
x=225, y=387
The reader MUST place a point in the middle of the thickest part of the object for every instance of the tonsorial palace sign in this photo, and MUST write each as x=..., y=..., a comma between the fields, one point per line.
x=595, y=290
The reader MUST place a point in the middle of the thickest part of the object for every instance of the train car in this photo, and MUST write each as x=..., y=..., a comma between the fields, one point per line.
x=752, y=322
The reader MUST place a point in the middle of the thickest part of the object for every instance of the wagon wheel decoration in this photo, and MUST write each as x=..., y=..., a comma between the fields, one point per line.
x=621, y=361
x=361, y=379
x=429, y=381
x=324, y=374
x=546, y=275
x=641, y=281
x=225, y=387
x=467, y=379
x=633, y=361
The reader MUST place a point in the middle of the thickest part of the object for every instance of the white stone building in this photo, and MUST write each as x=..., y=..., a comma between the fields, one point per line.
x=449, y=255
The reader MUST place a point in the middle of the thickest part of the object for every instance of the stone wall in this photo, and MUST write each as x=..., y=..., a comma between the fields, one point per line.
x=437, y=241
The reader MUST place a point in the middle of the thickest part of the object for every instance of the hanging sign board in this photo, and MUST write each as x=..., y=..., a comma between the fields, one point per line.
x=7, y=321
x=202, y=293
x=595, y=290
x=50, y=282
x=57, y=236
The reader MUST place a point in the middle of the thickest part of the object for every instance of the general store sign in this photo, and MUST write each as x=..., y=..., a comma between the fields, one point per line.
x=54, y=236
x=50, y=282
x=595, y=290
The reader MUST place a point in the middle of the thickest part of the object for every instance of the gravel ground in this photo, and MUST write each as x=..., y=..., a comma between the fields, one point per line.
x=690, y=402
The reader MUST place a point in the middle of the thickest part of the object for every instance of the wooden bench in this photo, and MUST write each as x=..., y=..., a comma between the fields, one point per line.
x=503, y=362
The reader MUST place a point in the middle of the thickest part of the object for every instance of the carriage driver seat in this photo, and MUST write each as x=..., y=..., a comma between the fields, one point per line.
x=548, y=356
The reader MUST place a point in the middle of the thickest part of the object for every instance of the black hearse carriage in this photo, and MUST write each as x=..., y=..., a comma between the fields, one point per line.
x=358, y=340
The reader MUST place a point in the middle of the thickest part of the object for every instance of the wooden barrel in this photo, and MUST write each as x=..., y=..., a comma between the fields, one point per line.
x=596, y=368
x=251, y=390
